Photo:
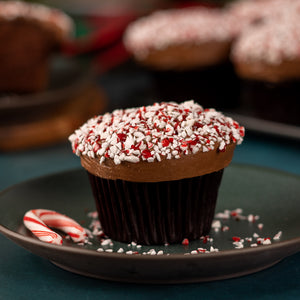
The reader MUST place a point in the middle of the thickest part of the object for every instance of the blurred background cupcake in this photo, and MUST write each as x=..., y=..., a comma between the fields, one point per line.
x=266, y=57
x=118, y=54
x=250, y=12
x=187, y=52
x=41, y=88
x=29, y=35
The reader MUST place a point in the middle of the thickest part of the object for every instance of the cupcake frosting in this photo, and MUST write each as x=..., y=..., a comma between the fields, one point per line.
x=177, y=26
x=248, y=12
x=269, y=50
x=11, y=10
x=139, y=143
x=271, y=42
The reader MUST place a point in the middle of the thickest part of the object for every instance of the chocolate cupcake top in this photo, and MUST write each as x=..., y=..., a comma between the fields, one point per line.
x=52, y=19
x=165, y=141
x=165, y=28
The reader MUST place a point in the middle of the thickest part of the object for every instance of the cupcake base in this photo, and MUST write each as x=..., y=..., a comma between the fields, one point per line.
x=23, y=81
x=277, y=102
x=215, y=86
x=156, y=213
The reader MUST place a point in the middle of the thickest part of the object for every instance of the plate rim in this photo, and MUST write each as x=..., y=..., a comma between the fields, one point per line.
x=287, y=244
x=77, y=250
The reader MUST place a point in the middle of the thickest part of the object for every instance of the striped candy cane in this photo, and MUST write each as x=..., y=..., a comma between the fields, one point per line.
x=38, y=220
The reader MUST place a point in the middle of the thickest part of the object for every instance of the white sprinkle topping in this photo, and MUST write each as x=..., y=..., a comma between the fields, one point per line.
x=216, y=224
x=224, y=216
x=212, y=249
x=260, y=226
x=106, y=242
x=251, y=218
x=274, y=39
x=151, y=252
x=267, y=242
x=238, y=245
x=238, y=242
x=177, y=26
x=277, y=236
x=225, y=228
x=110, y=135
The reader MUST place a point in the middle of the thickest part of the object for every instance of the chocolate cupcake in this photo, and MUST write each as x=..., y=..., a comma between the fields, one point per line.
x=266, y=56
x=29, y=34
x=186, y=52
x=155, y=171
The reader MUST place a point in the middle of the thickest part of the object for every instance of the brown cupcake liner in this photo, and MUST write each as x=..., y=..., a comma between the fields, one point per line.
x=277, y=102
x=156, y=213
x=214, y=86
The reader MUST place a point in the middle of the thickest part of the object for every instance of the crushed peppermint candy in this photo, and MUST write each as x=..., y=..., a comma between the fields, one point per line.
x=225, y=228
x=260, y=226
x=273, y=41
x=208, y=243
x=177, y=26
x=151, y=133
x=248, y=12
x=277, y=236
x=216, y=225
x=236, y=238
x=185, y=242
x=97, y=240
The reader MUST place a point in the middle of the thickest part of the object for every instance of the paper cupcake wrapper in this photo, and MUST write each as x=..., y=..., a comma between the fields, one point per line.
x=156, y=213
x=214, y=86
x=277, y=102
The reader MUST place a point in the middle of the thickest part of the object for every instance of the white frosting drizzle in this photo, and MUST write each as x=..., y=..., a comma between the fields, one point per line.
x=178, y=26
x=151, y=133
x=11, y=10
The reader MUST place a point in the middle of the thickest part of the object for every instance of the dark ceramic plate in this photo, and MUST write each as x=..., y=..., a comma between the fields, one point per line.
x=272, y=195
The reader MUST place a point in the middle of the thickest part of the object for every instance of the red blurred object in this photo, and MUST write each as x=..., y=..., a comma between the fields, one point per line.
x=105, y=40
x=109, y=31
x=112, y=57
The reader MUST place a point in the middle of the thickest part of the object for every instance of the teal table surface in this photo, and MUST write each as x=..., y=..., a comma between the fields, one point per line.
x=26, y=276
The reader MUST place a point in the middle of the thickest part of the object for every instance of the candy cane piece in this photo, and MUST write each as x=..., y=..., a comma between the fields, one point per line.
x=38, y=220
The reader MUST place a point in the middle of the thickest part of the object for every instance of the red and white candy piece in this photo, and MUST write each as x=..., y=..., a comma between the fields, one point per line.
x=38, y=220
